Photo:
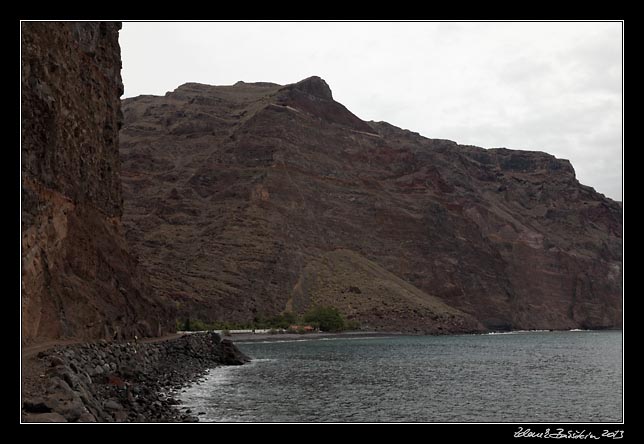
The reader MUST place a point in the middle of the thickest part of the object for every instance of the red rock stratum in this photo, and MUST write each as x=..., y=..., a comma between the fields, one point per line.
x=79, y=279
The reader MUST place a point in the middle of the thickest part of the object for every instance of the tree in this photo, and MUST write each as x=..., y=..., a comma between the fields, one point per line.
x=327, y=318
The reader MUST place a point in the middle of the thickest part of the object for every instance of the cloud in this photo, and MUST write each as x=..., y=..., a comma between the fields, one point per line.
x=553, y=87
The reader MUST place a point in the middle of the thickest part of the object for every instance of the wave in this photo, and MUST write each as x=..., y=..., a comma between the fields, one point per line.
x=335, y=338
x=514, y=332
x=276, y=341
x=344, y=338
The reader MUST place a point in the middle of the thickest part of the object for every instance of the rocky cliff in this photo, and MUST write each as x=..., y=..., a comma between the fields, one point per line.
x=78, y=276
x=255, y=199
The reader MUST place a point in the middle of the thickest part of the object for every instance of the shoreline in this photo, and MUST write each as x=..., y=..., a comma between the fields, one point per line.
x=280, y=337
x=241, y=338
x=104, y=381
x=132, y=381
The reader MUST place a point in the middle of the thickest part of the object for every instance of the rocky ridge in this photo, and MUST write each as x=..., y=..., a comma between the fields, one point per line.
x=122, y=382
x=254, y=199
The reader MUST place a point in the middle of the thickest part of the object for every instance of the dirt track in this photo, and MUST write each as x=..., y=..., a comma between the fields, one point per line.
x=32, y=350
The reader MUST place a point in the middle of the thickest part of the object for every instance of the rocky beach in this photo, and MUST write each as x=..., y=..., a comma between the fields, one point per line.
x=120, y=381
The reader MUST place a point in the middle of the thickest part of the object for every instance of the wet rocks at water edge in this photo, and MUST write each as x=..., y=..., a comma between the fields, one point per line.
x=231, y=354
x=125, y=382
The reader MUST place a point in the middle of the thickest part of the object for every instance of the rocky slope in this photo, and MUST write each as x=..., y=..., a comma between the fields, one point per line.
x=255, y=199
x=78, y=276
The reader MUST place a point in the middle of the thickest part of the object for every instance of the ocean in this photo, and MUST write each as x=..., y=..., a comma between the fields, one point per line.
x=573, y=376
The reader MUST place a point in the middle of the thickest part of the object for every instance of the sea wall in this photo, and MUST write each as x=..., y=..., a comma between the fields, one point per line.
x=121, y=381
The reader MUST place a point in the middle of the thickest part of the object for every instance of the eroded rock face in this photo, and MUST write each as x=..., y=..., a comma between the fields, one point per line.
x=254, y=199
x=78, y=277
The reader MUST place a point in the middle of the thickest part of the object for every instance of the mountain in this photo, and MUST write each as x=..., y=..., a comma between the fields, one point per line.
x=78, y=277
x=254, y=199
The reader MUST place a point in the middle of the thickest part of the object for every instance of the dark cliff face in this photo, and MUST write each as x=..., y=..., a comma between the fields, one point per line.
x=78, y=277
x=255, y=199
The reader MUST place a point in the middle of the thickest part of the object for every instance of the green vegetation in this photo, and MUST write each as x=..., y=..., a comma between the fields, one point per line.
x=282, y=321
x=325, y=318
x=352, y=324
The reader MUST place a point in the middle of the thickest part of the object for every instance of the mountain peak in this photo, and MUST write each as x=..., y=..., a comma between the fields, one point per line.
x=285, y=199
x=257, y=84
x=314, y=86
x=313, y=96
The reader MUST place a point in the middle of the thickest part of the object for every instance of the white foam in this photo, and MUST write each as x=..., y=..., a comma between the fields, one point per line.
x=274, y=342
x=515, y=332
x=338, y=338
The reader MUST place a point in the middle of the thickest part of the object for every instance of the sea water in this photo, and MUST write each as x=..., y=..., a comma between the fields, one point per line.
x=574, y=376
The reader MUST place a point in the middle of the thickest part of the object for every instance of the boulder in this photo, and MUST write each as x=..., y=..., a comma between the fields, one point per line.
x=231, y=355
x=113, y=405
x=44, y=417
x=36, y=406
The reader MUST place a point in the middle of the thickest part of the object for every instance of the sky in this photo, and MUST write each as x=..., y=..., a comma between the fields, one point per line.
x=541, y=86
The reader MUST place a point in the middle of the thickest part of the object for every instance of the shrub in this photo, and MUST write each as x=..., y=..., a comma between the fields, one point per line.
x=353, y=325
x=326, y=318
x=283, y=320
x=198, y=325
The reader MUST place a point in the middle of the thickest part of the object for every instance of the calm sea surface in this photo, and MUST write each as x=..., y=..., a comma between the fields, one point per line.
x=519, y=377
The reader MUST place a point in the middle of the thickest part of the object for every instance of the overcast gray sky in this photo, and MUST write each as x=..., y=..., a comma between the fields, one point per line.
x=553, y=87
